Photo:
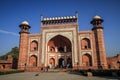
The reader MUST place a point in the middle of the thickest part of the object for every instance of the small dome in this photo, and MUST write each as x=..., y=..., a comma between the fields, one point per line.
x=97, y=17
x=25, y=22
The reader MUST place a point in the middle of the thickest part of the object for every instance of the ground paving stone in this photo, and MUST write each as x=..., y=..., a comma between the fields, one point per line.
x=51, y=76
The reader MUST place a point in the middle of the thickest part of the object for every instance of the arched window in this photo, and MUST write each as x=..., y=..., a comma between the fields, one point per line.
x=33, y=61
x=52, y=62
x=85, y=43
x=34, y=46
x=87, y=60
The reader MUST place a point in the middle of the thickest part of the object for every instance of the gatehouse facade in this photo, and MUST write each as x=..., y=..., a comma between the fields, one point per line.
x=61, y=45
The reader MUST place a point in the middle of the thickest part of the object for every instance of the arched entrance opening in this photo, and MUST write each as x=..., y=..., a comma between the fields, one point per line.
x=3, y=66
x=87, y=60
x=61, y=63
x=33, y=61
x=69, y=63
x=51, y=62
x=61, y=48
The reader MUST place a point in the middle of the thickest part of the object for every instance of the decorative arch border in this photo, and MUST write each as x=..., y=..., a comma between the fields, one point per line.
x=67, y=35
x=33, y=54
x=87, y=53
x=70, y=33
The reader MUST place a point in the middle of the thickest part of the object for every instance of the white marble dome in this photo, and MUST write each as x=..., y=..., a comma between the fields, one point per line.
x=25, y=22
x=97, y=17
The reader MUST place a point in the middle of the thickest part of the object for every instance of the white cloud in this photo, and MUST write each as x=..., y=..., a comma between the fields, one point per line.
x=7, y=32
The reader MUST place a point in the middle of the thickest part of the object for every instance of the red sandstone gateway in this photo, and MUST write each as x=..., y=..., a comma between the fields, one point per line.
x=61, y=45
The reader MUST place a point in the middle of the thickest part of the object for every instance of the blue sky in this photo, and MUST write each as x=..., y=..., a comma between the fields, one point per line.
x=13, y=12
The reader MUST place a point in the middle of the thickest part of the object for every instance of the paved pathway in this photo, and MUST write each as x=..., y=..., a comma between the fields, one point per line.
x=50, y=76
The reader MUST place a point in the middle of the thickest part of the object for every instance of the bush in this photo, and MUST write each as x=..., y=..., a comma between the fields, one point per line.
x=100, y=72
x=11, y=72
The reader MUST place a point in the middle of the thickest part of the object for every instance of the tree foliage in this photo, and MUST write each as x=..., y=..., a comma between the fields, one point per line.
x=14, y=52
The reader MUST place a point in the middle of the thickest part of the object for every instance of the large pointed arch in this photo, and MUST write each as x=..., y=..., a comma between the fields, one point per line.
x=59, y=46
x=59, y=43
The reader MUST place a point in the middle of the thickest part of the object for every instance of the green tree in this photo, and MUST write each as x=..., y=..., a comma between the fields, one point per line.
x=14, y=52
